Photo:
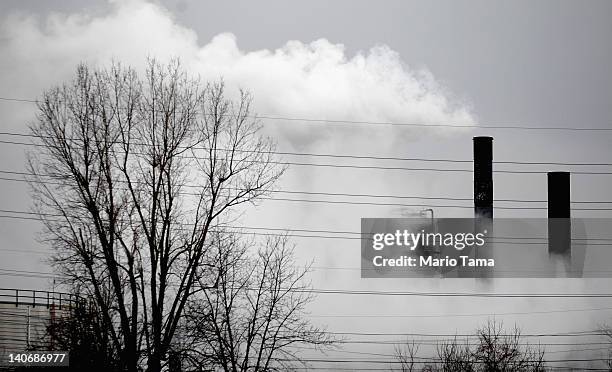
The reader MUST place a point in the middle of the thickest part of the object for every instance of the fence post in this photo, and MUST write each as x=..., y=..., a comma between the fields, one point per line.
x=28, y=330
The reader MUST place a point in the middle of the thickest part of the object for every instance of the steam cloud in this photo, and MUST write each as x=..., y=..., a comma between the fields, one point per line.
x=299, y=79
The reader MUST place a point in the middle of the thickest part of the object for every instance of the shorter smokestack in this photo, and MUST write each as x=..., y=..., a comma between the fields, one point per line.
x=559, y=214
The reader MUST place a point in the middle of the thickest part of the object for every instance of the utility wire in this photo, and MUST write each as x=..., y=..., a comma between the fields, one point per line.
x=421, y=316
x=377, y=316
x=345, y=156
x=288, y=233
x=371, y=167
x=420, y=294
x=339, y=194
x=343, y=351
x=385, y=123
x=336, y=194
x=283, y=231
x=418, y=359
x=288, y=229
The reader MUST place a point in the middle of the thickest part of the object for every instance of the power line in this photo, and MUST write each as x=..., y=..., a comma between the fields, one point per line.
x=236, y=231
x=343, y=351
x=447, y=336
x=437, y=342
x=330, y=194
x=437, y=338
x=347, y=156
x=355, y=195
x=420, y=316
x=462, y=315
x=460, y=294
x=291, y=200
x=28, y=251
x=287, y=233
x=372, y=167
x=415, y=293
x=320, y=268
x=24, y=275
x=433, y=342
x=385, y=123
x=288, y=229
x=385, y=196
x=342, y=201
x=431, y=360
x=317, y=230
x=472, y=335
x=338, y=268
x=301, y=230
x=308, y=200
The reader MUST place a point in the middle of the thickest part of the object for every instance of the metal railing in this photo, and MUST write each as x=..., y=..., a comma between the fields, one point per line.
x=32, y=297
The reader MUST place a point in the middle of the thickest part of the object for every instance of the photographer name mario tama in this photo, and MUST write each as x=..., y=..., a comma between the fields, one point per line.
x=407, y=247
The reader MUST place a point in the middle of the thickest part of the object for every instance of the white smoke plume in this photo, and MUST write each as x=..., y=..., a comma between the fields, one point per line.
x=316, y=79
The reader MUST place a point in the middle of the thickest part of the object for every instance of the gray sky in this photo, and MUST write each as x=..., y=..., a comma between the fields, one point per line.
x=544, y=63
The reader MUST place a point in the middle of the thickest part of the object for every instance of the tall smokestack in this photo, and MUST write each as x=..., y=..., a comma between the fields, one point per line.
x=483, y=198
x=483, y=177
x=559, y=195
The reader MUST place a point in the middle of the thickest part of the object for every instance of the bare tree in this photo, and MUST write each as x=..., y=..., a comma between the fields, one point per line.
x=502, y=350
x=81, y=330
x=496, y=350
x=406, y=355
x=607, y=333
x=131, y=176
x=255, y=316
x=453, y=356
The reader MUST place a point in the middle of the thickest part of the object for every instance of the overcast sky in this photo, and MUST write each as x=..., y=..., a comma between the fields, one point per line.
x=470, y=63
